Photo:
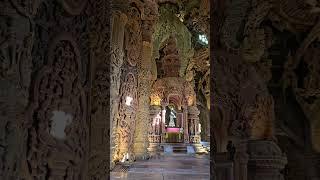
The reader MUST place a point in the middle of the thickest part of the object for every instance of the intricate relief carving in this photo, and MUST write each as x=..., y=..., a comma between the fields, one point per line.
x=98, y=40
x=127, y=116
x=262, y=118
x=196, y=17
x=298, y=14
x=314, y=5
x=242, y=97
x=266, y=160
x=256, y=39
x=312, y=80
x=253, y=46
x=27, y=8
x=171, y=62
x=259, y=11
x=16, y=40
x=149, y=17
x=74, y=7
x=58, y=88
x=289, y=77
x=162, y=88
x=133, y=36
x=236, y=13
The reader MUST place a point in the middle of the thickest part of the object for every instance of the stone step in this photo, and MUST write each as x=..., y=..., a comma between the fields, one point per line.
x=180, y=149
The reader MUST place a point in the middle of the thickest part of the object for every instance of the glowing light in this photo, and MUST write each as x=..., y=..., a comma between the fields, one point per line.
x=199, y=128
x=128, y=100
x=125, y=158
x=156, y=101
x=203, y=39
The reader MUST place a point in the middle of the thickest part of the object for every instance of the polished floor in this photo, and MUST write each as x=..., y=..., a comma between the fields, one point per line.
x=167, y=167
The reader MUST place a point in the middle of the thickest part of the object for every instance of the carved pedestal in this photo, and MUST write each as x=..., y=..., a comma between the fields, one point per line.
x=266, y=160
x=224, y=167
x=241, y=161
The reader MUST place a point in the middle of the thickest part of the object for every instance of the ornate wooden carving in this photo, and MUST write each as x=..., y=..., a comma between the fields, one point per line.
x=133, y=36
x=127, y=116
x=74, y=7
x=58, y=88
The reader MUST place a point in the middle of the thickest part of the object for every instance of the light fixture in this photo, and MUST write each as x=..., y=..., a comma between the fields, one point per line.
x=203, y=39
x=128, y=100
x=125, y=158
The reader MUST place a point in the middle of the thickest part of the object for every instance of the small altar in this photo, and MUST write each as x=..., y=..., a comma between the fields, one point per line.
x=174, y=116
x=174, y=135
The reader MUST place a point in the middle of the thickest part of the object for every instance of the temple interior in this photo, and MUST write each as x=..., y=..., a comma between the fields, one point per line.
x=160, y=89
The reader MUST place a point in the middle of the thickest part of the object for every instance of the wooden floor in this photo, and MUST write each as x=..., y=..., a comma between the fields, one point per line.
x=167, y=167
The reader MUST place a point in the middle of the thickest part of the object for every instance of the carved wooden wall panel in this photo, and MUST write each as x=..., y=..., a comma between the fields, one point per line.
x=48, y=48
x=55, y=152
x=16, y=40
x=127, y=115
x=99, y=81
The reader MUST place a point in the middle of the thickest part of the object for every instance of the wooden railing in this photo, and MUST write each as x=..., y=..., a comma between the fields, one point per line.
x=195, y=139
x=154, y=138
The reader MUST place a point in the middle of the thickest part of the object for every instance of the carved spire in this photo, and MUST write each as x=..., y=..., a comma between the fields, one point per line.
x=171, y=63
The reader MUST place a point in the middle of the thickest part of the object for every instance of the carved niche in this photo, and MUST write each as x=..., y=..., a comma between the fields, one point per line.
x=57, y=128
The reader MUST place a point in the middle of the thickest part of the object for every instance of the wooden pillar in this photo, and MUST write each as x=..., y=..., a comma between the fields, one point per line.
x=119, y=21
x=185, y=123
x=149, y=18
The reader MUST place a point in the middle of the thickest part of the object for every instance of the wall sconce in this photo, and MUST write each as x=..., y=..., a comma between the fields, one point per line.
x=203, y=39
x=128, y=100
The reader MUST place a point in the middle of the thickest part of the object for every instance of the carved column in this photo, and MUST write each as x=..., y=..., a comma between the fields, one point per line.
x=155, y=137
x=100, y=62
x=266, y=160
x=155, y=112
x=144, y=80
x=241, y=161
x=193, y=118
x=185, y=124
x=117, y=38
x=163, y=123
